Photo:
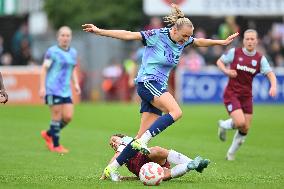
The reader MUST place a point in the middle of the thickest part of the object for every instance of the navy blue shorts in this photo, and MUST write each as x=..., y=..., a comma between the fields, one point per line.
x=53, y=100
x=147, y=90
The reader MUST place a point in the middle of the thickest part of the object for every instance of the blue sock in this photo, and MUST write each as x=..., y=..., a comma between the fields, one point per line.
x=127, y=153
x=161, y=124
x=54, y=132
x=62, y=124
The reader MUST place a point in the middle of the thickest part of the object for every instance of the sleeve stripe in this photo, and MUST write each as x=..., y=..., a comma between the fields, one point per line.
x=143, y=39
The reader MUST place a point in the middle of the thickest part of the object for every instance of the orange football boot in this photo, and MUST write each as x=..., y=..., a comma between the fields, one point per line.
x=48, y=140
x=60, y=149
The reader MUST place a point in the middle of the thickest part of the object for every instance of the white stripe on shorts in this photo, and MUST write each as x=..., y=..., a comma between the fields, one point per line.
x=152, y=89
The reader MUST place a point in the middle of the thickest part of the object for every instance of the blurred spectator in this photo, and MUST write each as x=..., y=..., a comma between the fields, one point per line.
x=278, y=31
x=111, y=77
x=130, y=72
x=1, y=46
x=6, y=59
x=192, y=61
x=279, y=60
x=155, y=23
x=21, y=46
x=228, y=27
x=214, y=53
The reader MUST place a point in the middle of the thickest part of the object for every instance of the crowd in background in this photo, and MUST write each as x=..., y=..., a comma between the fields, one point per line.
x=20, y=53
x=193, y=59
x=118, y=75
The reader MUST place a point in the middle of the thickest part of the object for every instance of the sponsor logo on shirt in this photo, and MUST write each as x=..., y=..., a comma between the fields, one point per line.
x=246, y=69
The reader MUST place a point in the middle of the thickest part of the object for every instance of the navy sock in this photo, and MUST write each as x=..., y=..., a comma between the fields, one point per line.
x=127, y=153
x=54, y=132
x=161, y=124
x=62, y=124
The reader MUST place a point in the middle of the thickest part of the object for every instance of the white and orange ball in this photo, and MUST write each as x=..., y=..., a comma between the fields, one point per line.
x=151, y=174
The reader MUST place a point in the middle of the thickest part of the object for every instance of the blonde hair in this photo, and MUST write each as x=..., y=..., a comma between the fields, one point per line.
x=177, y=18
x=64, y=28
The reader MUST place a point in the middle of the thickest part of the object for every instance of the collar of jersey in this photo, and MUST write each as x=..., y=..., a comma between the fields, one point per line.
x=246, y=52
x=170, y=36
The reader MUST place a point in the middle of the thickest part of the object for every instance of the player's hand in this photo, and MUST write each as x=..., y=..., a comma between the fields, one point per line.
x=103, y=177
x=91, y=28
x=77, y=89
x=231, y=73
x=42, y=92
x=272, y=91
x=230, y=38
x=3, y=97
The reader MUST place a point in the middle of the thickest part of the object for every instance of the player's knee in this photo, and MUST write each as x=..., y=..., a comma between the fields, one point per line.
x=159, y=152
x=176, y=114
x=240, y=123
x=67, y=118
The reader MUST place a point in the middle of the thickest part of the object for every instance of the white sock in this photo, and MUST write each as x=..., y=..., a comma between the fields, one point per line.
x=114, y=164
x=177, y=158
x=227, y=124
x=179, y=170
x=238, y=140
x=146, y=137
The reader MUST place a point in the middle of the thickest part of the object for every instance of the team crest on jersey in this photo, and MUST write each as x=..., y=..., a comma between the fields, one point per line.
x=230, y=107
x=254, y=62
x=150, y=33
x=241, y=59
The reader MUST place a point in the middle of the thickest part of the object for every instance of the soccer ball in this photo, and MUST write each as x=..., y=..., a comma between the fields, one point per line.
x=151, y=174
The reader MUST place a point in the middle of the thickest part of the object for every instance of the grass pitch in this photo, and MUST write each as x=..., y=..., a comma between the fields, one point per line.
x=26, y=163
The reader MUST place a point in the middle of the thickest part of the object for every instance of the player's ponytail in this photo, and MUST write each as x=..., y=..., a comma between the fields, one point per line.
x=176, y=18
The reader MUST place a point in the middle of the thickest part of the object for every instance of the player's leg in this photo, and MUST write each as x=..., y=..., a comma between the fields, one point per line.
x=148, y=93
x=50, y=136
x=233, y=107
x=183, y=164
x=239, y=137
x=147, y=119
x=148, y=115
x=242, y=123
x=56, y=116
x=166, y=103
x=67, y=115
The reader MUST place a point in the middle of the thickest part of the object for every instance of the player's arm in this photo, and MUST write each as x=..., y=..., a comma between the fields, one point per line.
x=201, y=42
x=225, y=70
x=76, y=81
x=45, y=66
x=118, y=34
x=273, y=83
x=266, y=70
x=2, y=90
x=103, y=177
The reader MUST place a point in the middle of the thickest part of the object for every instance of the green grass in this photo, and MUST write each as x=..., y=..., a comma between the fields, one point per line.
x=26, y=163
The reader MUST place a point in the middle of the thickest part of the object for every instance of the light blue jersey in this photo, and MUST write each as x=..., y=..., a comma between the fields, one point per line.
x=160, y=56
x=230, y=55
x=60, y=71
